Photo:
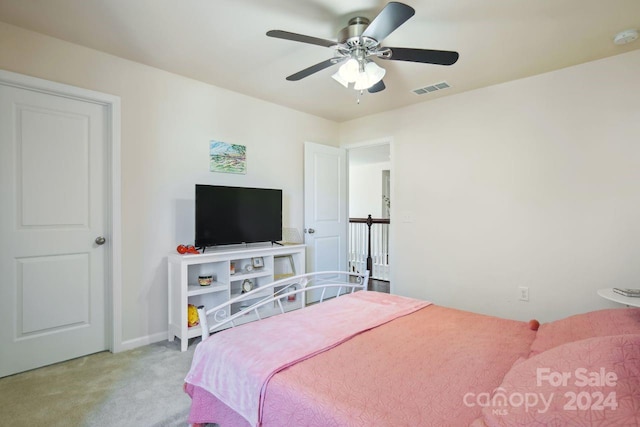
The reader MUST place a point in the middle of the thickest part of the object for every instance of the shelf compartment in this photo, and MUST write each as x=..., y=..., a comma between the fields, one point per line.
x=257, y=295
x=200, y=290
x=194, y=331
x=238, y=277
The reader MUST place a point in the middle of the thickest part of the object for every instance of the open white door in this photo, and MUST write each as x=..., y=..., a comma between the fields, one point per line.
x=326, y=216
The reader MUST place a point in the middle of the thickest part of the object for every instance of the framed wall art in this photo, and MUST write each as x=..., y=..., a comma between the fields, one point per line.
x=227, y=158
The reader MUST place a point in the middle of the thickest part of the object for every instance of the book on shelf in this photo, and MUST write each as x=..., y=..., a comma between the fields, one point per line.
x=627, y=292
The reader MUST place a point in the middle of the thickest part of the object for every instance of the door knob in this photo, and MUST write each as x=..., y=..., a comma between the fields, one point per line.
x=100, y=240
x=311, y=231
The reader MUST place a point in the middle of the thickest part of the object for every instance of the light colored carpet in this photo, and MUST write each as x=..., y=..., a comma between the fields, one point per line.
x=140, y=387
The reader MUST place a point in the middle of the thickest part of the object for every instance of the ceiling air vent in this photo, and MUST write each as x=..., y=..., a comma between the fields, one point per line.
x=432, y=88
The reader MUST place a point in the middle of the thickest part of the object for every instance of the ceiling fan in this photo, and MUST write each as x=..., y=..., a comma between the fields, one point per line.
x=359, y=42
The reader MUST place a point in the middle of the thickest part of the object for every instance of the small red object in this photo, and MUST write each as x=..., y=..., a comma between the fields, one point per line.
x=184, y=249
x=292, y=297
x=534, y=324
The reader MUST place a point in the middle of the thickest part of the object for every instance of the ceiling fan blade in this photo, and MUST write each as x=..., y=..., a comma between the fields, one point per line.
x=378, y=87
x=391, y=17
x=440, y=57
x=279, y=34
x=314, y=69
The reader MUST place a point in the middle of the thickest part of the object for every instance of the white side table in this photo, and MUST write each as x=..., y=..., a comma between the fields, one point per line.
x=607, y=293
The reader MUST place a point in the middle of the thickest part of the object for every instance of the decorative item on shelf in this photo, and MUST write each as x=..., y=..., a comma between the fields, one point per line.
x=232, y=269
x=205, y=280
x=248, y=268
x=281, y=268
x=192, y=316
x=292, y=297
x=257, y=262
x=247, y=286
x=291, y=236
x=187, y=249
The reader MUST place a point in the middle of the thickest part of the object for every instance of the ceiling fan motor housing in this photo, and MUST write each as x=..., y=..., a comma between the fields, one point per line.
x=351, y=34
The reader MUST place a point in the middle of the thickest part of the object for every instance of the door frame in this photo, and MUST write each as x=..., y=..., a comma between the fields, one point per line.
x=113, y=219
x=372, y=143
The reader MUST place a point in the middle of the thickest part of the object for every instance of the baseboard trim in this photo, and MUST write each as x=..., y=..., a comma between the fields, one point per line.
x=141, y=341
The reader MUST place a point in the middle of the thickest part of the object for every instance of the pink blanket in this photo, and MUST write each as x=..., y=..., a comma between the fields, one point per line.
x=236, y=365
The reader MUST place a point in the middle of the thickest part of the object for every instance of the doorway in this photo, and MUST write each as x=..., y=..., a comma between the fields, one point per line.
x=370, y=196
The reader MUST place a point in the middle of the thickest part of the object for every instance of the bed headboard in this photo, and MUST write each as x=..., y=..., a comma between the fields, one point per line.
x=267, y=300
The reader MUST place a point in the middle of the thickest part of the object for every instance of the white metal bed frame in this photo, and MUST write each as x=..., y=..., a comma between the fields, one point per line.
x=276, y=291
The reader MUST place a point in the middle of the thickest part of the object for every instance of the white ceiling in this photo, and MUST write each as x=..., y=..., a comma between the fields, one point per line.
x=223, y=42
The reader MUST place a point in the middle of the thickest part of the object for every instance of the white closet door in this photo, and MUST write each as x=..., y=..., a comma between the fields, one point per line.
x=52, y=181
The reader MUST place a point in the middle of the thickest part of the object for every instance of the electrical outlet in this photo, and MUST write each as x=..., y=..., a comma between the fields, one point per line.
x=524, y=293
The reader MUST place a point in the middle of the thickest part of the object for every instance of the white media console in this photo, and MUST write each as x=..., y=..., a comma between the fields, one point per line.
x=231, y=268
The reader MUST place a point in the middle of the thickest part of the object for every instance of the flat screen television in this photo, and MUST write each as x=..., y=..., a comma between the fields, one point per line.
x=232, y=215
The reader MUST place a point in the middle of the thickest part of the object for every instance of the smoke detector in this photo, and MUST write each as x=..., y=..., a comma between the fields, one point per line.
x=625, y=37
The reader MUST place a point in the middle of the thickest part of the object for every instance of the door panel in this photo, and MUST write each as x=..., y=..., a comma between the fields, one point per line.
x=49, y=303
x=52, y=293
x=327, y=179
x=65, y=162
x=326, y=258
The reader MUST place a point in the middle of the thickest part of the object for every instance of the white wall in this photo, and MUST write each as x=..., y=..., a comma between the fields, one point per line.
x=529, y=183
x=167, y=122
x=365, y=189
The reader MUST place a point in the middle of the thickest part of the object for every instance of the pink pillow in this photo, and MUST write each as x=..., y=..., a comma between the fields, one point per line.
x=593, y=382
x=613, y=321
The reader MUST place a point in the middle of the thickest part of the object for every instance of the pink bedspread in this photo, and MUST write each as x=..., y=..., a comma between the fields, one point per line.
x=236, y=365
x=414, y=370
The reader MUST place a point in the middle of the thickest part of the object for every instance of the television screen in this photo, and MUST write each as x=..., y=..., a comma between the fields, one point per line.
x=231, y=215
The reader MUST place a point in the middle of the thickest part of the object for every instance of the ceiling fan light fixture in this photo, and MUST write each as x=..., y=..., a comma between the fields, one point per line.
x=349, y=70
x=362, y=83
x=372, y=74
x=337, y=77
x=364, y=74
x=374, y=71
